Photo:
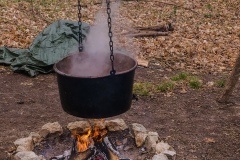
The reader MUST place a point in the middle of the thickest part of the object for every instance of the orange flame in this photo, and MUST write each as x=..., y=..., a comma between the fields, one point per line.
x=85, y=140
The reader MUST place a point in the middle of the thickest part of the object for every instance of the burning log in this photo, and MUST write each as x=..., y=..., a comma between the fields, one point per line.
x=104, y=150
x=91, y=145
x=112, y=148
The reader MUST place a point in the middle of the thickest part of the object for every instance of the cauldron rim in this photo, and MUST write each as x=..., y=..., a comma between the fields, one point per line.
x=92, y=77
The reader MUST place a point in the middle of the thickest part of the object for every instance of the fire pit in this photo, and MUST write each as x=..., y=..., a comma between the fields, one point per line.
x=92, y=140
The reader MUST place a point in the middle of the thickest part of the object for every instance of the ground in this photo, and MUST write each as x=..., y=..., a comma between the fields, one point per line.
x=193, y=122
x=204, y=43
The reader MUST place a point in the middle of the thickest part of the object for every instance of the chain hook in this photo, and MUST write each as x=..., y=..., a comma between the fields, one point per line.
x=110, y=34
x=80, y=36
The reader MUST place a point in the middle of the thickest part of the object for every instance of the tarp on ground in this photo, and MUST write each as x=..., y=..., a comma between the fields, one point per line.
x=55, y=42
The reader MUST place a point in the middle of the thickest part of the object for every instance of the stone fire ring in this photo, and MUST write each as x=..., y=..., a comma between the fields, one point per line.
x=23, y=147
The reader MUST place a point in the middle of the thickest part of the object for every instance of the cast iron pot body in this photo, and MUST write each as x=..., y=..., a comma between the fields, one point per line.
x=96, y=96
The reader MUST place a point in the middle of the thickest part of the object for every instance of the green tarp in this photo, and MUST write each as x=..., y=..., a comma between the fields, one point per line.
x=51, y=45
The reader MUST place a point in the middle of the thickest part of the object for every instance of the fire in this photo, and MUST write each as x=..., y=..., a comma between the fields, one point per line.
x=83, y=141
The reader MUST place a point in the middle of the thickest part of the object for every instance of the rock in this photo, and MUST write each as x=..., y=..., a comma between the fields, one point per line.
x=138, y=128
x=116, y=125
x=153, y=135
x=36, y=137
x=79, y=126
x=10, y=149
x=43, y=133
x=140, y=139
x=160, y=157
x=140, y=134
x=142, y=62
x=210, y=84
x=24, y=144
x=27, y=155
x=169, y=153
x=151, y=141
x=53, y=128
x=161, y=147
x=21, y=148
x=98, y=123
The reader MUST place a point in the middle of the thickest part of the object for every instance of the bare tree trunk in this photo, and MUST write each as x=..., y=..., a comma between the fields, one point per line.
x=231, y=83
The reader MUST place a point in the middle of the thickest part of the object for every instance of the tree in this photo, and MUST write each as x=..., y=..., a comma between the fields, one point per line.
x=231, y=83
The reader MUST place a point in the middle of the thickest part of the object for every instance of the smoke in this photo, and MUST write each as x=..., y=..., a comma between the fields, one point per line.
x=96, y=46
x=97, y=43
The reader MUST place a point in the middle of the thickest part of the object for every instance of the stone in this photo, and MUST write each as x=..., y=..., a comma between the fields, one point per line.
x=27, y=155
x=11, y=149
x=79, y=126
x=43, y=133
x=116, y=125
x=35, y=137
x=53, y=128
x=140, y=139
x=161, y=147
x=153, y=135
x=210, y=84
x=160, y=157
x=151, y=141
x=24, y=144
x=138, y=128
x=97, y=123
x=140, y=134
x=142, y=62
x=21, y=148
x=169, y=153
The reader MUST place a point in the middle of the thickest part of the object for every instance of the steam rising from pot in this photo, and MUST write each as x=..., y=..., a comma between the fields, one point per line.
x=96, y=59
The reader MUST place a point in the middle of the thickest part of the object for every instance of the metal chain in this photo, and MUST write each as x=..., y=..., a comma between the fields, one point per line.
x=80, y=36
x=110, y=34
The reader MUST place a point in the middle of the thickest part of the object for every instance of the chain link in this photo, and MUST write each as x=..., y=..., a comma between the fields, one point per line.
x=80, y=36
x=110, y=34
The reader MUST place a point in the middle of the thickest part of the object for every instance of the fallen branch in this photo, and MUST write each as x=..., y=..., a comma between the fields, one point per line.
x=159, y=28
x=148, y=34
x=151, y=31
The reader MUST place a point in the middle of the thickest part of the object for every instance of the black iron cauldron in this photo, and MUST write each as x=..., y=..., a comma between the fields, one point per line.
x=88, y=90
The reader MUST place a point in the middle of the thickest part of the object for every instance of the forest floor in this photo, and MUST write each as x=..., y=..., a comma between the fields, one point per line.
x=177, y=92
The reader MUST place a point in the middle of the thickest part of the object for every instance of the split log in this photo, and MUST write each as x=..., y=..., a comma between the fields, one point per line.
x=231, y=83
